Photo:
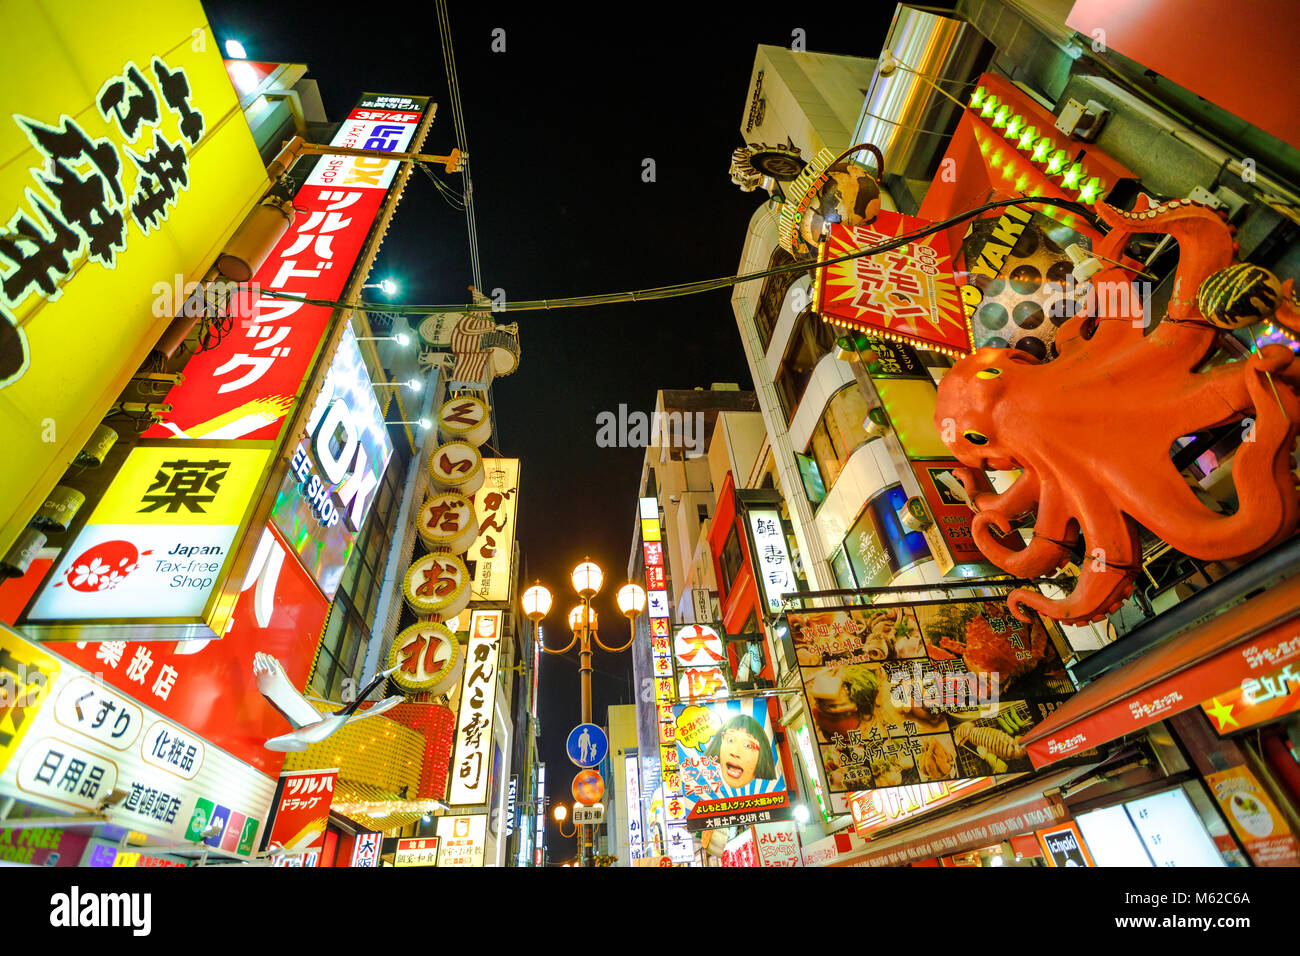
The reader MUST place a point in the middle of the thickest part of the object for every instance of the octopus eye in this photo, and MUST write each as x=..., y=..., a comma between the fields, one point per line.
x=975, y=438
x=988, y=373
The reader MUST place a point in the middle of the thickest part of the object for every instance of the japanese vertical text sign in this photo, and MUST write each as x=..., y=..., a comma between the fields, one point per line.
x=908, y=294
x=656, y=587
x=126, y=167
x=158, y=545
x=771, y=557
x=335, y=470
x=495, y=505
x=302, y=808
x=470, y=770
x=245, y=386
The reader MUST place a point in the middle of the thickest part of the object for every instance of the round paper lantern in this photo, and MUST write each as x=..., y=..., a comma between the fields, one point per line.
x=447, y=520
x=465, y=418
x=437, y=583
x=456, y=466
x=427, y=657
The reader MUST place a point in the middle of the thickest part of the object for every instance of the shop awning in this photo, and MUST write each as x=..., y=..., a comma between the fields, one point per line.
x=1256, y=636
x=1016, y=811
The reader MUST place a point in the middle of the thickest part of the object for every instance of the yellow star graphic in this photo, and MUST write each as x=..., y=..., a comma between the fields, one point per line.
x=1223, y=714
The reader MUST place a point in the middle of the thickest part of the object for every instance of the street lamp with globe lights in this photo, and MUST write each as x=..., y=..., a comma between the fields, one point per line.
x=536, y=603
x=561, y=813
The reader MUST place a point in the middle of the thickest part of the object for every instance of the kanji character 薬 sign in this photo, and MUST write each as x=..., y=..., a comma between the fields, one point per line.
x=158, y=545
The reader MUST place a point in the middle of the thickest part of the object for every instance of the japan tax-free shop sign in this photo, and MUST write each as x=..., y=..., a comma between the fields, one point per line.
x=125, y=163
x=154, y=556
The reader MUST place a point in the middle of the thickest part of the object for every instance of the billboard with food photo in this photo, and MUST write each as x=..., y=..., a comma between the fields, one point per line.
x=729, y=765
x=909, y=694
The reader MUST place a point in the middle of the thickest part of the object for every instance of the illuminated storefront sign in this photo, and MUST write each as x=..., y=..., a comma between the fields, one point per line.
x=335, y=469
x=417, y=852
x=209, y=687
x=771, y=557
x=495, y=504
x=158, y=545
x=661, y=648
x=1256, y=700
x=462, y=840
x=874, y=810
x=471, y=774
x=907, y=294
x=541, y=813
x=245, y=386
x=632, y=778
x=302, y=810
x=365, y=850
x=132, y=175
x=777, y=844
x=82, y=740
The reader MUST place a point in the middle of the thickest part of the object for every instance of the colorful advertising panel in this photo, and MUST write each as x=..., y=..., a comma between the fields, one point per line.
x=127, y=169
x=42, y=846
x=1063, y=845
x=632, y=779
x=908, y=294
x=657, y=610
x=417, y=852
x=1255, y=700
x=335, y=469
x=495, y=505
x=462, y=840
x=245, y=385
x=157, y=548
x=209, y=687
x=81, y=740
x=950, y=508
x=302, y=809
x=740, y=850
x=1254, y=817
x=878, y=546
x=730, y=768
x=920, y=693
x=471, y=774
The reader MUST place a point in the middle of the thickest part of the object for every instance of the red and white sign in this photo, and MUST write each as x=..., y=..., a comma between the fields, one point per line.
x=208, y=687
x=741, y=851
x=365, y=851
x=302, y=808
x=778, y=844
x=244, y=387
x=1182, y=691
x=874, y=810
x=422, y=851
x=697, y=645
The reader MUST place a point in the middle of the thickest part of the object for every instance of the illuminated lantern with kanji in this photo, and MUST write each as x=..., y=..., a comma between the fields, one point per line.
x=438, y=584
x=427, y=657
x=701, y=683
x=465, y=418
x=697, y=645
x=446, y=520
x=456, y=466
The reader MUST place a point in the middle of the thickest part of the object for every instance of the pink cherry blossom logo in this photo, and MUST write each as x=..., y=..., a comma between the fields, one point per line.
x=103, y=567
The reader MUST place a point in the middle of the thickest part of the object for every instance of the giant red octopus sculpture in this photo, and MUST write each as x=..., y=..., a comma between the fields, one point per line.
x=1092, y=430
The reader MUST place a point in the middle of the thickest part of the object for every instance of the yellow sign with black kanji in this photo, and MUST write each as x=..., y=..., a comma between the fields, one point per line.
x=183, y=484
x=26, y=678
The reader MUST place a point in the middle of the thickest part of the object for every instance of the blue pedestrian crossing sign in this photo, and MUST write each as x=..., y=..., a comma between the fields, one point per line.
x=587, y=745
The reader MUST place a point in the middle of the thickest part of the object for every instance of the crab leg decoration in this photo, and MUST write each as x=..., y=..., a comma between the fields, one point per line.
x=1092, y=431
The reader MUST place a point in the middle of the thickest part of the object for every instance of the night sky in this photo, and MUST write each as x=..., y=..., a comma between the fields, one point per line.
x=558, y=127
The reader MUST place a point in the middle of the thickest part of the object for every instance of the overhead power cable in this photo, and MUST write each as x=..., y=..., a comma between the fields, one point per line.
x=462, y=141
x=706, y=285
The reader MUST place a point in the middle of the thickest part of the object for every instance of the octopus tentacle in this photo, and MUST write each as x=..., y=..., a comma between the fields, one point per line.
x=1105, y=578
x=1020, y=498
x=1267, y=509
x=1041, y=556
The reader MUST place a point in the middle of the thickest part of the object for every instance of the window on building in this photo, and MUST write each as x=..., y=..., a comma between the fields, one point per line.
x=703, y=512
x=812, y=479
x=730, y=560
x=772, y=296
x=812, y=338
x=838, y=434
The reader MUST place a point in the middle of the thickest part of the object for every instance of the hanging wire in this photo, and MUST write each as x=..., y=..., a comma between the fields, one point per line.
x=706, y=285
x=458, y=118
